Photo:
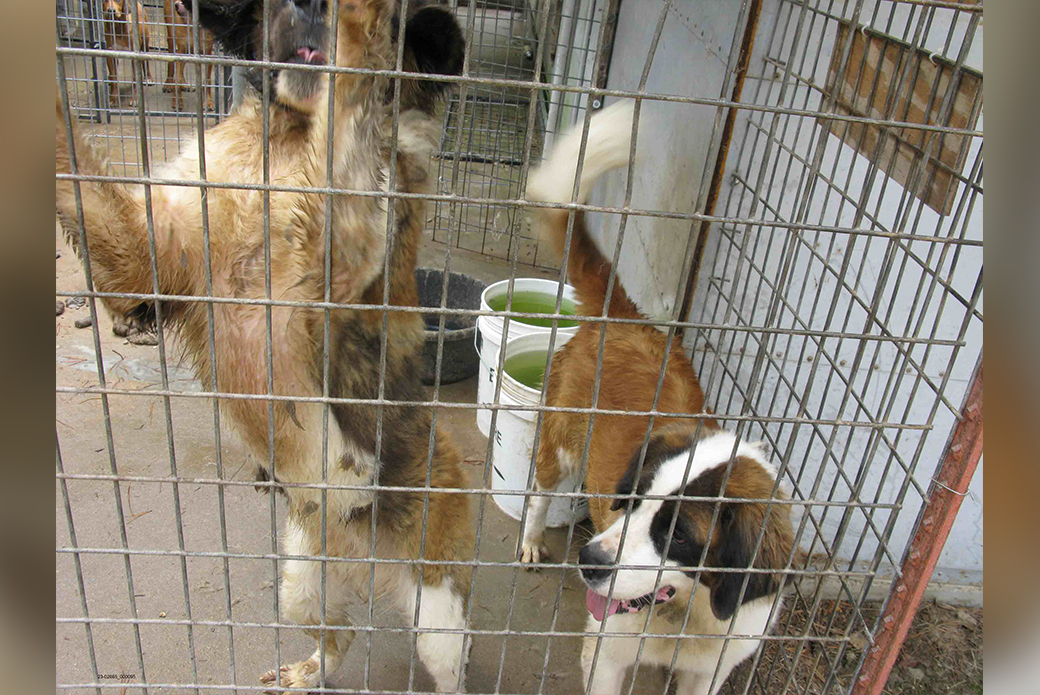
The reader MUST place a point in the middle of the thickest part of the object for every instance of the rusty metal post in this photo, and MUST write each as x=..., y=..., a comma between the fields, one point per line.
x=949, y=487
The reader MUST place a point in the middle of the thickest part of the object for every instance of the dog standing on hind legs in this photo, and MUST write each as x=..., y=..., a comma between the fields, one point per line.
x=117, y=236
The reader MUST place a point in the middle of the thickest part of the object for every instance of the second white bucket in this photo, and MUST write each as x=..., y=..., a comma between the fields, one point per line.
x=513, y=450
x=489, y=338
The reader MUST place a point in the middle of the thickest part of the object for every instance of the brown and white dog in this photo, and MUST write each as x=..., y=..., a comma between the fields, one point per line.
x=117, y=22
x=180, y=40
x=117, y=235
x=684, y=457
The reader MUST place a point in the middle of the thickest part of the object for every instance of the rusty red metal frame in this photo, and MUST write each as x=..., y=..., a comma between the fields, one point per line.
x=950, y=485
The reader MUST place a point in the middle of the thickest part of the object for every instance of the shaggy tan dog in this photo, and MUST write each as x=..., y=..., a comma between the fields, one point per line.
x=116, y=228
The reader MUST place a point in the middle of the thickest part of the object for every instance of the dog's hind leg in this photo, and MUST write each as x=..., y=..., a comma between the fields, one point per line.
x=442, y=606
x=300, y=595
x=445, y=588
x=113, y=81
x=208, y=87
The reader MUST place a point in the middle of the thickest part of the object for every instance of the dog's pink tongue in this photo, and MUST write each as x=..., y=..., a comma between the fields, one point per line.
x=597, y=605
x=310, y=55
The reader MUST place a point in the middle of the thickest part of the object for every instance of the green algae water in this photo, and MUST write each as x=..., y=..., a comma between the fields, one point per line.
x=535, y=303
x=528, y=368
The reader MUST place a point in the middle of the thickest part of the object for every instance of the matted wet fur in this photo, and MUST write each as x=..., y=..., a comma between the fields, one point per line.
x=117, y=238
x=632, y=358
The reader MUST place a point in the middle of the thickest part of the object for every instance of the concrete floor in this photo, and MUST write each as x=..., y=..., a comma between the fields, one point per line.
x=139, y=432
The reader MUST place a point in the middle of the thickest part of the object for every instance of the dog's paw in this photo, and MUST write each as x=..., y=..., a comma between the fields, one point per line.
x=303, y=674
x=533, y=552
x=167, y=88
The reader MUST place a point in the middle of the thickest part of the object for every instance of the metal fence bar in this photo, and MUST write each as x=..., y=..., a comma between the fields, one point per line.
x=106, y=412
x=963, y=452
x=494, y=82
x=326, y=352
x=472, y=406
x=138, y=73
x=77, y=564
x=265, y=96
x=212, y=344
x=430, y=630
x=663, y=323
x=267, y=188
x=762, y=273
x=849, y=376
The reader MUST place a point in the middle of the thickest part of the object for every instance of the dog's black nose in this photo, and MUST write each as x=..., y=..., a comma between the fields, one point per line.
x=600, y=566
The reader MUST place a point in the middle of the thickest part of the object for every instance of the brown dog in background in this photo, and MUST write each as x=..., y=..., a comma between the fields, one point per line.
x=117, y=20
x=180, y=41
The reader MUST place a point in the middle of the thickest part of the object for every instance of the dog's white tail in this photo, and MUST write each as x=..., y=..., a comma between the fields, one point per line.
x=610, y=138
x=609, y=142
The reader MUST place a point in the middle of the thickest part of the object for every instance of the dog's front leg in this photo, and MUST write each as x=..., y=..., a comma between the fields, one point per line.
x=533, y=548
x=300, y=595
x=610, y=666
x=113, y=81
x=694, y=683
x=551, y=459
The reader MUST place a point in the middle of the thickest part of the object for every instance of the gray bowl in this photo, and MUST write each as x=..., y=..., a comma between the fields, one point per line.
x=460, y=359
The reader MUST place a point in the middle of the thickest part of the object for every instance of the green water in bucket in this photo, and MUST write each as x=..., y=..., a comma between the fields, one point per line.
x=535, y=303
x=528, y=368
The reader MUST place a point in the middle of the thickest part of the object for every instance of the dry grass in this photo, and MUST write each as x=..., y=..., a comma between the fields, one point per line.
x=942, y=654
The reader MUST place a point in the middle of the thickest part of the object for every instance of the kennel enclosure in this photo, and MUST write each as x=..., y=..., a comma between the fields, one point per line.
x=805, y=210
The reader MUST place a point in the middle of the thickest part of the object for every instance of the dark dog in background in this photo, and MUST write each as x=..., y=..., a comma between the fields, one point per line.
x=361, y=245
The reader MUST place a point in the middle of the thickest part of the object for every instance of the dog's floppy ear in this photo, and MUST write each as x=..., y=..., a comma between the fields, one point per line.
x=434, y=44
x=434, y=37
x=740, y=524
x=625, y=486
x=233, y=23
x=663, y=445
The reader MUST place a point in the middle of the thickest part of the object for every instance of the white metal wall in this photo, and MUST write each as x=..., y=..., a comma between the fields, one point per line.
x=675, y=142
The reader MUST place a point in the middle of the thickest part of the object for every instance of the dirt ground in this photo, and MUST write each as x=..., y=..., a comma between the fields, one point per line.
x=942, y=656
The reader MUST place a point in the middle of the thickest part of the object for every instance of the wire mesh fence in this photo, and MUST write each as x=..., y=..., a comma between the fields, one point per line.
x=103, y=90
x=828, y=287
x=491, y=134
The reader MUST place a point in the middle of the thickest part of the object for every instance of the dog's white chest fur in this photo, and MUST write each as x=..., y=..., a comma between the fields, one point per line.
x=698, y=655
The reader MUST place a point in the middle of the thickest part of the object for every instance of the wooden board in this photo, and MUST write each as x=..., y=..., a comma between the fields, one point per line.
x=887, y=79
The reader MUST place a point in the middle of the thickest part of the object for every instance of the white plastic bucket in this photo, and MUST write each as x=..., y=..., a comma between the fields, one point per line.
x=489, y=337
x=513, y=450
